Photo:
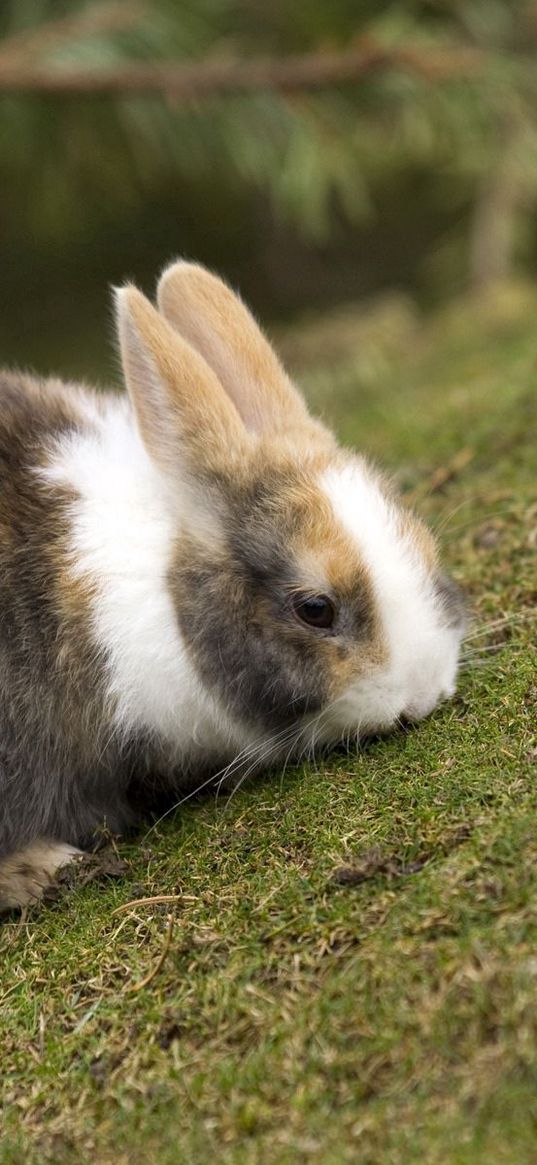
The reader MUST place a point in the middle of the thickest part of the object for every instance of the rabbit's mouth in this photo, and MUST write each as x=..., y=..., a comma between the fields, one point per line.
x=374, y=708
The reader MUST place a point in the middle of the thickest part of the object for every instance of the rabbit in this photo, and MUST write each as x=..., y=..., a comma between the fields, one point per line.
x=195, y=580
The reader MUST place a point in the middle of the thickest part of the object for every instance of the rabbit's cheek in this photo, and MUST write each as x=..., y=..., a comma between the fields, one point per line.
x=260, y=672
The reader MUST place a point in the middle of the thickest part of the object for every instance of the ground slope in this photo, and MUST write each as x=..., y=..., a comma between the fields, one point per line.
x=352, y=972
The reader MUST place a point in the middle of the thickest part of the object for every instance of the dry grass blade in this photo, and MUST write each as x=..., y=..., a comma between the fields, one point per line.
x=159, y=963
x=155, y=900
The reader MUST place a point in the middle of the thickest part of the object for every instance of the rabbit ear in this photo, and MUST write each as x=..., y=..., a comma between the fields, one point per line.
x=180, y=405
x=216, y=322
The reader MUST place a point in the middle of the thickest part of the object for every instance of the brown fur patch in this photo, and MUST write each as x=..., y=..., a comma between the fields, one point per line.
x=416, y=531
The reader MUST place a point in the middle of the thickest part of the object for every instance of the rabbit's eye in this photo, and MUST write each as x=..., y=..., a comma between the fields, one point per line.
x=315, y=610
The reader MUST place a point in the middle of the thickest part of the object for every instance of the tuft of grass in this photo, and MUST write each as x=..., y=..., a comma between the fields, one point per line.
x=352, y=969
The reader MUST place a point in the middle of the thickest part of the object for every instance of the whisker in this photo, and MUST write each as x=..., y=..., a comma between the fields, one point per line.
x=177, y=804
x=212, y=779
x=287, y=759
x=440, y=526
x=470, y=664
x=487, y=516
x=244, y=776
x=484, y=661
x=491, y=649
x=243, y=755
x=502, y=621
x=264, y=749
x=253, y=750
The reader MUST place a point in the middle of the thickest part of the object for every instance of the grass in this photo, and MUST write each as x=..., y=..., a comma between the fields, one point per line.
x=352, y=970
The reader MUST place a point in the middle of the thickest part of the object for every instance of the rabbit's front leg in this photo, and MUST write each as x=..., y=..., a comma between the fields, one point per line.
x=26, y=874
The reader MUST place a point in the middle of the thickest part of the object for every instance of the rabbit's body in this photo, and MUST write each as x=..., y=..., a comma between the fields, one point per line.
x=97, y=694
x=167, y=566
x=55, y=771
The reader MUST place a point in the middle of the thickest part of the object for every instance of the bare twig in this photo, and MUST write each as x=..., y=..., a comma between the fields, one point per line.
x=195, y=81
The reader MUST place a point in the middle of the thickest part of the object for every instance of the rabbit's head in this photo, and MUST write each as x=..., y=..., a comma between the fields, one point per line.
x=307, y=595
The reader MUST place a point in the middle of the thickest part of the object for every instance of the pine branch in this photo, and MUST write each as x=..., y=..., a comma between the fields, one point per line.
x=19, y=50
x=210, y=78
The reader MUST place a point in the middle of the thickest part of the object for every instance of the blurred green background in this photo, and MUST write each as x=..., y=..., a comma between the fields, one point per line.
x=406, y=159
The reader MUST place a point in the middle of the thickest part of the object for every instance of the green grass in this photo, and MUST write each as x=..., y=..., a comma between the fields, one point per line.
x=352, y=974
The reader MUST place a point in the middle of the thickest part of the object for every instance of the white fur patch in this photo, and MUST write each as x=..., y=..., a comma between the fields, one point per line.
x=125, y=522
x=423, y=651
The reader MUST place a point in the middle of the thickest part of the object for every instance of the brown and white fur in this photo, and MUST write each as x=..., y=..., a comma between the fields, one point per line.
x=156, y=553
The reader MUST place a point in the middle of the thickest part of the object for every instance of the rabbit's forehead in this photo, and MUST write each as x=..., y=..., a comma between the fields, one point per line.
x=311, y=518
x=294, y=541
x=386, y=536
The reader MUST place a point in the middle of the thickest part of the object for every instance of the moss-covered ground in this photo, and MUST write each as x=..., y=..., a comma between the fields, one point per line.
x=352, y=970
